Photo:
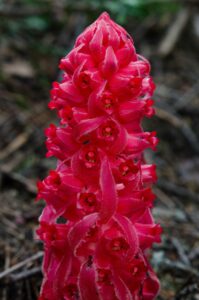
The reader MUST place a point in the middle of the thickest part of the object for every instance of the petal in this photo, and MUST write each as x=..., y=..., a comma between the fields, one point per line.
x=148, y=234
x=71, y=92
x=96, y=44
x=118, y=84
x=81, y=171
x=131, y=110
x=121, y=141
x=110, y=63
x=78, y=232
x=65, y=137
x=109, y=195
x=151, y=286
x=138, y=142
x=131, y=207
x=148, y=174
x=94, y=99
x=130, y=234
x=113, y=37
x=69, y=180
x=87, y=126
x=147, y=218
x=48, y=215
x=68, y=63
x=79, y=114
x=56, y=271
x=63, y=271
x=77, y=72
x=137, y=68
x=121, y=290
x=86, y=35
x=87, y=286
x=126, y=54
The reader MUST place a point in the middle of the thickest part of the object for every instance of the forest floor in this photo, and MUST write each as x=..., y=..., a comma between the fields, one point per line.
x=29, y=60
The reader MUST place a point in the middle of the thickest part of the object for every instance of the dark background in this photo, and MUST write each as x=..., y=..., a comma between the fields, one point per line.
x=34, y=35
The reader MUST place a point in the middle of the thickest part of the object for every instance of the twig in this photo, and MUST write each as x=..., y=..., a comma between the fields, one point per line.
x=184, y=100
x=19, y=141
x=177, y=190
x=7, y=264
x=194, y=253
x=181, y=124
x=168, y=92
x=25, y=274
x=21, y=264
x=172, y=265
x=171, y=214
x=187, y=291
x=189, y=216
x=184, y=258
x=166, y=200
x=27, y=183
x=169, y=41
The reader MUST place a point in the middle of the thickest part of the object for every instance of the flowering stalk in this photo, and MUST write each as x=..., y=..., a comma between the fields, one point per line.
x=97, y=223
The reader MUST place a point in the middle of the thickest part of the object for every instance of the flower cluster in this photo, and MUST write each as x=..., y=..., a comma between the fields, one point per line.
x=97, y=223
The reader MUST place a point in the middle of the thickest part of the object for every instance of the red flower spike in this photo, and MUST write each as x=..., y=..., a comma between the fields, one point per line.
x=101, y=186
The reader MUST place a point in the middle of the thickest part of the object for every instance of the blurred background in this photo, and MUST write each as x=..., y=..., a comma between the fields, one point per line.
x=34, y=35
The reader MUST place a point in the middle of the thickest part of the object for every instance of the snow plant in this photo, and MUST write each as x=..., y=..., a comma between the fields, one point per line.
x=97, y=225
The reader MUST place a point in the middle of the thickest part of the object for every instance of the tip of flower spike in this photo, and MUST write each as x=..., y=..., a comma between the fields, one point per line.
x=104, y=16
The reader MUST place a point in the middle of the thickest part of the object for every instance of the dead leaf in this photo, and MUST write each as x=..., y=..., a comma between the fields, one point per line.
x=19, y=68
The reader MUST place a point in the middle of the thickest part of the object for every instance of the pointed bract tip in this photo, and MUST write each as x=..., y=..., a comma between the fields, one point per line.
x=104, y=16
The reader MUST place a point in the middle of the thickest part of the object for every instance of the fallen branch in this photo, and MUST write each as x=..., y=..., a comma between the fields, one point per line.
x=21, y=264
x=18, y=142
x=169, y=265
x=177, y=190
x=25, y=274
x=182, y=125
x=23, y=181
x=181, y=251
x=174, y=32
x=184, y=100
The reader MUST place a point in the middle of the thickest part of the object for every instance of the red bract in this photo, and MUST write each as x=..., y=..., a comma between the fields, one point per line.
x=97, y=225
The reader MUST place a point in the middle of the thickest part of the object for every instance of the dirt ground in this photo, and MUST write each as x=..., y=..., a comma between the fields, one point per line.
x=29, y=55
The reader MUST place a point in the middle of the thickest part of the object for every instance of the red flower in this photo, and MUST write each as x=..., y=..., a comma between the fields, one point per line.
x=97, y=222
